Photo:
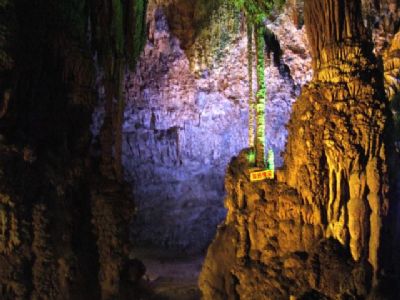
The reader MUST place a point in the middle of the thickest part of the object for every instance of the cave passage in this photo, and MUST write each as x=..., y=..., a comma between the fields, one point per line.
x=136, y=137
x=187, y=115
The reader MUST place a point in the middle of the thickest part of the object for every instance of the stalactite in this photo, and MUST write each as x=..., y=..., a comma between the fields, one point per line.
x=256, y=13
x=336, y=38
x=332, y=198
x=250, y=77
x=211, y=42
x=260, y=96
x=53, y=243
x=391, y=59
x=340, y=22
x=120, y=48
x=136, y=30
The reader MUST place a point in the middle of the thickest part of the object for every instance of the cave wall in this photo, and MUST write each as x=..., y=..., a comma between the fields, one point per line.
x=64, y=213
x=186, y=116
x=64, y=210
x=326, y=228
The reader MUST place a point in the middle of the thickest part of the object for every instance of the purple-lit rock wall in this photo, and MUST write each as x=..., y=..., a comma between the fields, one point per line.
x=182, y=128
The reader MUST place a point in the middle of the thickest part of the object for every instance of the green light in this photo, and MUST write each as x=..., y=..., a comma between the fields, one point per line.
x=256, y=12
x=252, y=104
x=271, y=160
x=260, y=96
x=251, y=157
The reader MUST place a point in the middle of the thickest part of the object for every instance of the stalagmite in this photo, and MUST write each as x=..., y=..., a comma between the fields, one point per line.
x=332, y=197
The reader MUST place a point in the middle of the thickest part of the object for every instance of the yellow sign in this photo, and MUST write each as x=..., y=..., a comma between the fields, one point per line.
x=262, y=175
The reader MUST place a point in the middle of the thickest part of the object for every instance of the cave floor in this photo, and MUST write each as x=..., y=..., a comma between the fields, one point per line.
x=171, y=275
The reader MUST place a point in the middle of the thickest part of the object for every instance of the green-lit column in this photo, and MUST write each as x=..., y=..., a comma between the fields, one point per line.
x=250, y=75
x=261, y=95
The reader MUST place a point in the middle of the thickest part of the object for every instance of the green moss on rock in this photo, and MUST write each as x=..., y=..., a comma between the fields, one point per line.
x=139, y=33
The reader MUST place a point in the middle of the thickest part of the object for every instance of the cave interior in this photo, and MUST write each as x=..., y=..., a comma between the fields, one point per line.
x=198, y=149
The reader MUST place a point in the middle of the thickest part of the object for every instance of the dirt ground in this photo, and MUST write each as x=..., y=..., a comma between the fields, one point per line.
x=171, y=275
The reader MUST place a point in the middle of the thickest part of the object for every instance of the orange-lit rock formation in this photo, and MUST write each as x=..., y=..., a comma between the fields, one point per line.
x=320, y=228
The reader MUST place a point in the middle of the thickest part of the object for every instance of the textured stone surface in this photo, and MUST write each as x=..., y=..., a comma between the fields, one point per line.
x=184, y=121
x=63, y=223
x=322, y=229
x=270, y=248
x=64, y=213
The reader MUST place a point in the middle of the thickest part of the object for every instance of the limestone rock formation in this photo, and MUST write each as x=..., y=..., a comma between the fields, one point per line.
x=178, y=131
x=86, y=119
x=325, y=228
x=64, y=222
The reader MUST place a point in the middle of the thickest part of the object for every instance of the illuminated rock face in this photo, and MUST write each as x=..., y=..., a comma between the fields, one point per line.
x=270, y=247
x=323, y=228
x=184, y=122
